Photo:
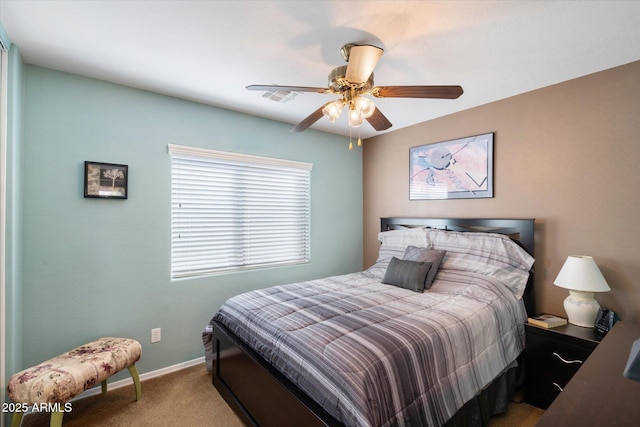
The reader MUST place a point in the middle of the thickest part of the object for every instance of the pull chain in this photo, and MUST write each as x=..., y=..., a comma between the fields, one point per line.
x=350, y=143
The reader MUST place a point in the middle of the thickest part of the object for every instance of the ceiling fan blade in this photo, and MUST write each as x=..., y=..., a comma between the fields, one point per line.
x=362, y=61
x=379, y=121
x=311, y=119
x=445, y=92
x=271, y=88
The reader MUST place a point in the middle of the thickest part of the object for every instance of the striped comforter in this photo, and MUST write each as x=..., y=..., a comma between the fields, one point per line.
x=377, y=355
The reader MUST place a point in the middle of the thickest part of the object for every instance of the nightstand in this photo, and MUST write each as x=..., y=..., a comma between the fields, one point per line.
x=598, y=395
x=552, y=357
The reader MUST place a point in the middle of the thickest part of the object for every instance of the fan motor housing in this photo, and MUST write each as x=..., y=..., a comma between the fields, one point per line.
x=339, y=84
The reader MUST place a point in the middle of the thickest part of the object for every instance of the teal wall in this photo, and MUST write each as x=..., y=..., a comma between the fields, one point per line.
x=94, y=267
x=12, y=325
x=13, y=247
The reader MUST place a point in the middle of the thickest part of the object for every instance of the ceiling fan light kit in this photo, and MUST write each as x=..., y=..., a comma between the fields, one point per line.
x=365, y=106
x=360, y=109
x=333, y=109
x=354, y=80
x=355, y=119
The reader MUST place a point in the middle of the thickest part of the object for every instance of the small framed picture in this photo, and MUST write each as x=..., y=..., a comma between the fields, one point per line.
x=105, y=180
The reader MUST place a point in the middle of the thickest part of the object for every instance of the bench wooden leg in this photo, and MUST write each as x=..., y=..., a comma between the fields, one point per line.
x=136, y=381
x=16, y=419
x=56, y=419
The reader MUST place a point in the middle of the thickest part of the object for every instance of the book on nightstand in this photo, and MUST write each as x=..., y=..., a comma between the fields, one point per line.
x=547, y=321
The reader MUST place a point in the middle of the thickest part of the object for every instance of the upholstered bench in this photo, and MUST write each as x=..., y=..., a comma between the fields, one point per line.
x=53, y=383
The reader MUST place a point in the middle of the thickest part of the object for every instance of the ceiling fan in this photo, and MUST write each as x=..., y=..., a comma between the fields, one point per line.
x=354, y=80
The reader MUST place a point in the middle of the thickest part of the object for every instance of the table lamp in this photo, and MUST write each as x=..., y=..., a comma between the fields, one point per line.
x=583, y=278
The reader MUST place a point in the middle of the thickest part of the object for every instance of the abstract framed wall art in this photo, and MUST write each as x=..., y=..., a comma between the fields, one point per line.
x=457, y=169
x=106, y=180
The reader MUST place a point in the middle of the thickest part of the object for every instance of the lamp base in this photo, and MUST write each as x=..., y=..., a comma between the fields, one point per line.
x=581, y=308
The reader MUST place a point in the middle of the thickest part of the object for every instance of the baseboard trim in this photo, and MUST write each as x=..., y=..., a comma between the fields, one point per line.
x=146, y=376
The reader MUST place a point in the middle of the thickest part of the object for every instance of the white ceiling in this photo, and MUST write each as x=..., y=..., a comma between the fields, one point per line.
x=208, y=51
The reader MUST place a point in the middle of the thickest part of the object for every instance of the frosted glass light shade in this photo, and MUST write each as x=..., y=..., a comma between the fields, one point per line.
x=333, y=109
x=355, y=118
x=360, y=109
x=365, y=106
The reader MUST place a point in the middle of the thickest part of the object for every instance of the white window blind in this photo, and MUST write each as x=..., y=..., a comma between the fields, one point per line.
x=234, y=211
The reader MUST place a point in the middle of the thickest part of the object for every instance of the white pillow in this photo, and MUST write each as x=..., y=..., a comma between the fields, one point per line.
x=404, y=237
x=394, y=243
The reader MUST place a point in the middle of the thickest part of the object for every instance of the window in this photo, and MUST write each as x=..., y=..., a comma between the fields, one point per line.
x=234, y=211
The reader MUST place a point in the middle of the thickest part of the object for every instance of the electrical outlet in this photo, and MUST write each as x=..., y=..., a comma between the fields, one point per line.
x=156, y=335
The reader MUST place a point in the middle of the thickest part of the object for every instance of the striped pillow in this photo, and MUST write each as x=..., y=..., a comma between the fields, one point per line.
x=489, y=254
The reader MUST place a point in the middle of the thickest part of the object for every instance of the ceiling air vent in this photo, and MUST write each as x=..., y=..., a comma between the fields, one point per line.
x=281, y=96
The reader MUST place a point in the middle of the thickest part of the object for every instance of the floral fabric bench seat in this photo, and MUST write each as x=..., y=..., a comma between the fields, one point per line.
x=61, y=378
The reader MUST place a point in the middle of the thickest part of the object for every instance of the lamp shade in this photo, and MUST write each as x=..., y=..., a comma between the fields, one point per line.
x=355, y=118
x=580, y=273
x=365, y=106
x=333, y=109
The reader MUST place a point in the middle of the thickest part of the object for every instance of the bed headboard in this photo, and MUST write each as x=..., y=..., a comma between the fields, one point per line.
x=520, y=230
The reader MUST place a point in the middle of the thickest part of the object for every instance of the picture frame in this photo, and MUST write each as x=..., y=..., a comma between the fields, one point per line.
x=106, y=180
x=455, y=169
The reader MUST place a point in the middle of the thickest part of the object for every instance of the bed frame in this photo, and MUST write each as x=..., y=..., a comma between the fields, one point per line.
x=261, y=396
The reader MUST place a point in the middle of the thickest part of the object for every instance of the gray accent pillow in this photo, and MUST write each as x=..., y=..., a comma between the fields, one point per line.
x=406, y=274
x=434, y=256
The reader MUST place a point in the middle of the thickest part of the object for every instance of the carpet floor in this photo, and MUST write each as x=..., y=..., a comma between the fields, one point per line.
x=187, y=398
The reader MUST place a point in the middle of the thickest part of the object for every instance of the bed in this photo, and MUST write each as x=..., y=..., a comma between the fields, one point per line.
x=431, y=334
